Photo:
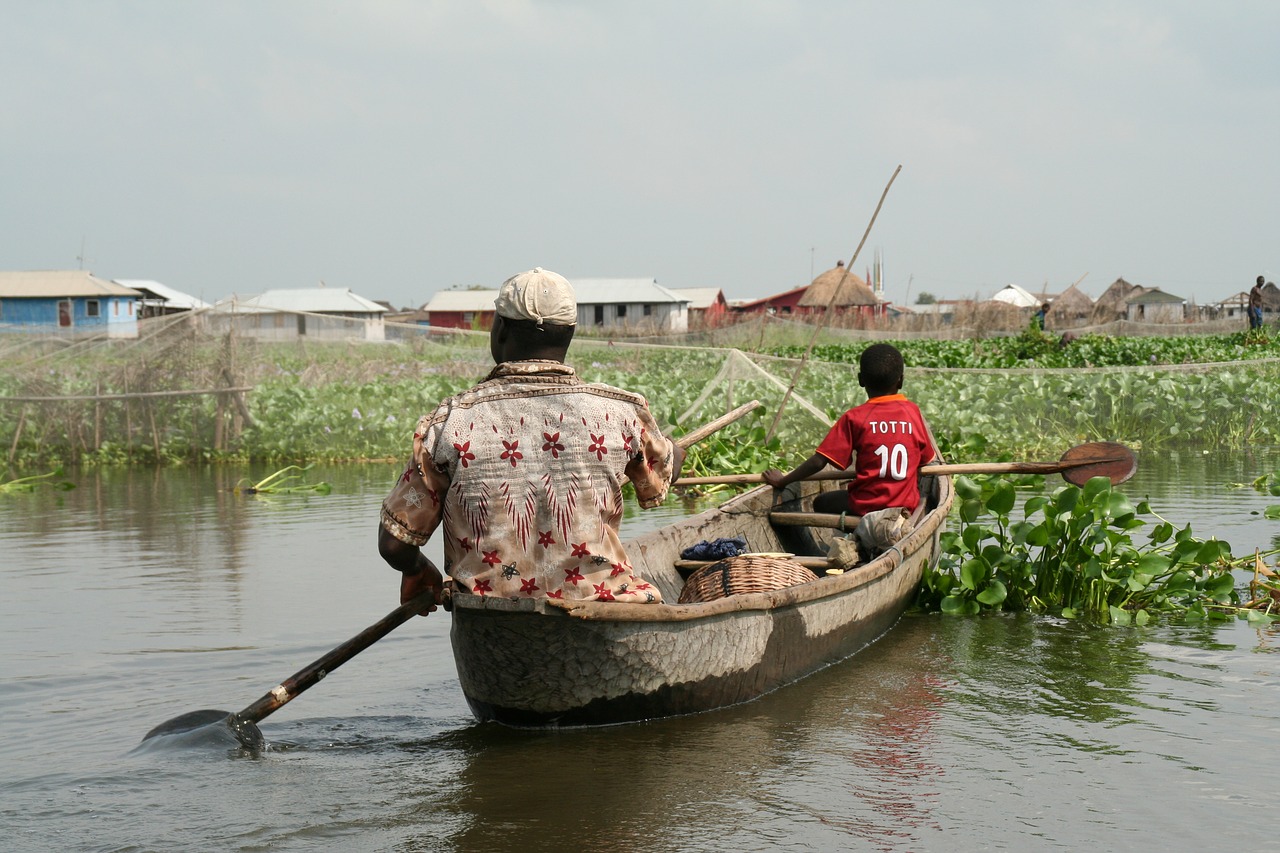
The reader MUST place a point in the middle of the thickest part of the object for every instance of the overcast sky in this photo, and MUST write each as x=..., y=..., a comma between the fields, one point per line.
x=399, y=148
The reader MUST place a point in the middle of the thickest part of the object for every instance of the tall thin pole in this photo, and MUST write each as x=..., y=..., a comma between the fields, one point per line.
x=830, y=306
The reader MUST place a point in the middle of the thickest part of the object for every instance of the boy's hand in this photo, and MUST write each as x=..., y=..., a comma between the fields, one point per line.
x=774, y=478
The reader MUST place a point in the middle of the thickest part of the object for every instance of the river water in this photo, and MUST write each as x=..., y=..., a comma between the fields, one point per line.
x=144, y=594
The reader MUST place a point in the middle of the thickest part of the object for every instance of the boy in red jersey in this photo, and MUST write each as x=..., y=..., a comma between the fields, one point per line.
x=884, y=441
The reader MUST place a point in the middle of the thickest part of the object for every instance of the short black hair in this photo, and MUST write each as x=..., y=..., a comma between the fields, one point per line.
x=529, y=333
x=881, y=366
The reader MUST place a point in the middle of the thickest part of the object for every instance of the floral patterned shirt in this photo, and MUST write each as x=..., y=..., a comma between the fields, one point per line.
x=525, y=470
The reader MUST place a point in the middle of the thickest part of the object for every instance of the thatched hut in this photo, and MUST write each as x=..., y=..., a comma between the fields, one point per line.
x=1070, y=306
x=844, y=291
x=1114, y=301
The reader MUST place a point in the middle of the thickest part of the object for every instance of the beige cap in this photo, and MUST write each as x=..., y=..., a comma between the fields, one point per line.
x=538, y=295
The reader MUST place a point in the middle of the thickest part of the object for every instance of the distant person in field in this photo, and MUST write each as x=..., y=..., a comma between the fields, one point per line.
x=1255, y=304
x=1038, y=318
x=524, y=472
x=884, y=441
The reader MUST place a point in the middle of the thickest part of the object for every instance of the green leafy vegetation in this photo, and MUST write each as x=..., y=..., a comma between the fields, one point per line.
x=1072, y=553
x=1032, y=348
x=53, y=480
x=283, y=483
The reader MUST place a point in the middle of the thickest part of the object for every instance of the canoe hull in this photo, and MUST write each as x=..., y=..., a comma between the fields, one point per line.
x=550, y=664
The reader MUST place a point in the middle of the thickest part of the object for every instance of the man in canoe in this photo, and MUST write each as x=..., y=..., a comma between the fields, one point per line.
x=885, y=441
x=525, y=470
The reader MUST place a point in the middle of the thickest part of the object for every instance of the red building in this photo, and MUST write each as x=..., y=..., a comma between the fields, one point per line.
x=780, y=304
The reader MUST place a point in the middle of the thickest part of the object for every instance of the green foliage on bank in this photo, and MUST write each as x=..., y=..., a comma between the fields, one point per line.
x=1080, y=553
x=1033, y=348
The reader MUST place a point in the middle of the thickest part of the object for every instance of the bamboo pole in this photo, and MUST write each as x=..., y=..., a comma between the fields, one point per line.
x=795, y=377
x=17, y=434
x=136, y=395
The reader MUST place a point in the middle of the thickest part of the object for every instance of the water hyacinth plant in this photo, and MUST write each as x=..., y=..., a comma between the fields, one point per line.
x=282, y=483
x=1073, y=554
x=30, y=484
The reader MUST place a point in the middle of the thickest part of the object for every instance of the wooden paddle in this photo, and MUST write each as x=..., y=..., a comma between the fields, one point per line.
x=689, y=439
x=243, y=725
x=1078, y=465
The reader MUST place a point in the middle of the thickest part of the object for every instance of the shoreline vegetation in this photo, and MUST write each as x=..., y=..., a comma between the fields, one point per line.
x=181, y=397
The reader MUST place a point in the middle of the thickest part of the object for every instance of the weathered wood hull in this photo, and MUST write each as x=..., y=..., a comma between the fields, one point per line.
x=547, y=663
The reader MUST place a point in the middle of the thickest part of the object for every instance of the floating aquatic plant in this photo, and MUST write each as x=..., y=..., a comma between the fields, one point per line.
x=1073, y=554
x=30, y=484
x=283, y=483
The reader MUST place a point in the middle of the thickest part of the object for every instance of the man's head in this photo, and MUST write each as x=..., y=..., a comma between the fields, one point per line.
x=880, y=370
x=1260, y=281
x=536, y=314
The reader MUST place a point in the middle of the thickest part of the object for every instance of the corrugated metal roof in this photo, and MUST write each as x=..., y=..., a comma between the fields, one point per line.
x=172, y=298
x=1018, y=296
x=52, y=284
x=699, y=297
x=612, y=291
x=462, y=300
x=1154, y=296
x=310, y=300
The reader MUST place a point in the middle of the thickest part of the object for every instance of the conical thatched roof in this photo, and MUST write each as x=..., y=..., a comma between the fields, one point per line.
x=1071, y=302
x=1271, y=297
x=1111, y=304
x=853, y=291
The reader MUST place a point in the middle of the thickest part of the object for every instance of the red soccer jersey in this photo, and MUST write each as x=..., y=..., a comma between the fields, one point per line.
x=887, y=439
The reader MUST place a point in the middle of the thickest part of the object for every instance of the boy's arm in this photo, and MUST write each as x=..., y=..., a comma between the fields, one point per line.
x=804, y=470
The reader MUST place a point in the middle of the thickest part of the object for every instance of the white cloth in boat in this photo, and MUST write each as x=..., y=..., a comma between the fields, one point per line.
x=525, y=471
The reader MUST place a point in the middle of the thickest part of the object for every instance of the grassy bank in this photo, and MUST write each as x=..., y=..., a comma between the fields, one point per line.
x=111, y=403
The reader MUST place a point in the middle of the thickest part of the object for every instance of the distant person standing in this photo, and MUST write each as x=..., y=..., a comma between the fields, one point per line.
x=1038, y=318
x=1255, y=304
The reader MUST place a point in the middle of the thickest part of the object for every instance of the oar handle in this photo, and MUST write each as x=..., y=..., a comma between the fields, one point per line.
x=691, y=438
x=308, y=676
x=937, y=468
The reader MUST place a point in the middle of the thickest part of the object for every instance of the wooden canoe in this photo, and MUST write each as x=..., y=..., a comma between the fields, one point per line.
x=547, y=663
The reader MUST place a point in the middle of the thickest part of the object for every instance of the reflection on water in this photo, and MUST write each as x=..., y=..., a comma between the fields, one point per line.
x=143, y=594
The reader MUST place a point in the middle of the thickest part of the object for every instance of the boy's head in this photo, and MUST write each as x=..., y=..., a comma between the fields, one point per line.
x=880, y=370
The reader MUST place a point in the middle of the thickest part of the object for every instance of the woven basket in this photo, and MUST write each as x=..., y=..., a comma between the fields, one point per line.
x=746, y=573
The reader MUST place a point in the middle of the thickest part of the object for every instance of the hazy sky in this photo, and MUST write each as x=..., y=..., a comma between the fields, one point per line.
x=399, y=148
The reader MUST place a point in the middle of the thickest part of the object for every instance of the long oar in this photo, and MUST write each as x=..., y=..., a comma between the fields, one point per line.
x=691, y=438
x=1078, y=465
x=243, y=725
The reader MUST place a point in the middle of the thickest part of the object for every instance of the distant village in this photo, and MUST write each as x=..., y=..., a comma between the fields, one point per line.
x=77, y=303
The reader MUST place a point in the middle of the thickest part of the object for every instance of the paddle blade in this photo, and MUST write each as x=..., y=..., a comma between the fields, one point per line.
x=1109, y=459
x=210, y=727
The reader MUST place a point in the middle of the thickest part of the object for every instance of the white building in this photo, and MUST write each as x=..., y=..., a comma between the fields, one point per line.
x=318, y=313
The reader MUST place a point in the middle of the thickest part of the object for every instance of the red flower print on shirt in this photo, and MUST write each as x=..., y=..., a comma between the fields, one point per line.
x=641, y=587
x=597, y=447
x=408, y=472
x=491, y=558
x=481, y=587
x=618, y=569
x=529, y=586
x=552, y=443
x=465, y=456
x=559, y=593
x=572, y=576
x=546, y=538
x=511, y=453
x=603, y=591
x=626, y=443
x=465, y=544
x=580, y=549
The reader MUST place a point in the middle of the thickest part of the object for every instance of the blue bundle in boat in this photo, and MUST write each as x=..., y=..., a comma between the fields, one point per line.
x=717, y=549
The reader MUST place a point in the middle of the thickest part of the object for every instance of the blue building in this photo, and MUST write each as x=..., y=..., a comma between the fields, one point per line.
x=71, y=303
